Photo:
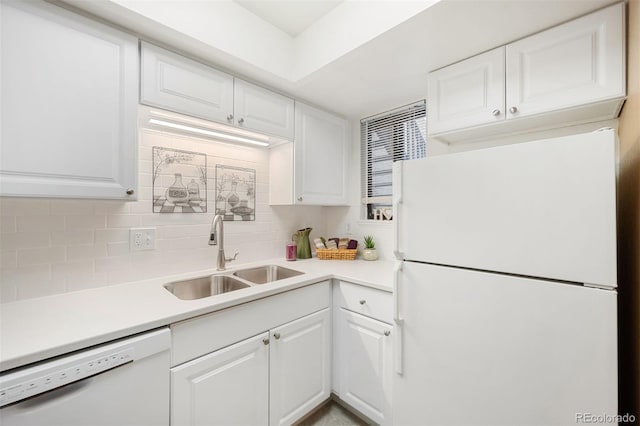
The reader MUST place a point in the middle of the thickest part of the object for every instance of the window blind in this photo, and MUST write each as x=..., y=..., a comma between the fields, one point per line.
x=399, y=134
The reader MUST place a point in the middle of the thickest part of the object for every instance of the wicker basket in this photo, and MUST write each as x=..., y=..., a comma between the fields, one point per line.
x=341, y=254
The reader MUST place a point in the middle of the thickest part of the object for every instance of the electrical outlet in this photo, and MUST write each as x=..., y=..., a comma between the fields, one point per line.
x=348, y=228
x=142, y=239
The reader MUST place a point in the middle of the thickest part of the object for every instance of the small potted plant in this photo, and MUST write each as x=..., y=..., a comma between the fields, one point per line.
x=369, y=252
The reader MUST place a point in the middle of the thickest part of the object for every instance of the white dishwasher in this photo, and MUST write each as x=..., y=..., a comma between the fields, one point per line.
x=125, y=382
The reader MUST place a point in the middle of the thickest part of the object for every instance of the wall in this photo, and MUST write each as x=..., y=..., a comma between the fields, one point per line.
x=53, y=246
x=629, y=224
x=346, y=221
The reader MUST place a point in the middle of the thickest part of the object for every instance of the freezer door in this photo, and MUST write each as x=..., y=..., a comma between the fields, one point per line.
x=488, y=349
x=543, y=209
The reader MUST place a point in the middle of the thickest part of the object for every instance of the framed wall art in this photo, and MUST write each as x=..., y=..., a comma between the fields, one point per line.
x=179, y=181
x=235, y=193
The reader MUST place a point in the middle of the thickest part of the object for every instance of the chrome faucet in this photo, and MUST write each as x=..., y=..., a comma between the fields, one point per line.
x=217, y=239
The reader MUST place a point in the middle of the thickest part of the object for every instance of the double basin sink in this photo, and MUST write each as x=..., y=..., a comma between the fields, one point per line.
x=211, y=285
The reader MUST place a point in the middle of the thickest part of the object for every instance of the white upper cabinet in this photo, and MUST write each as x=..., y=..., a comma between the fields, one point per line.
x=576, y=63
x=313, y=169
x=262, y=110
x=570, y=74
x=468, y=93
x=69, y=94
x=173, y=82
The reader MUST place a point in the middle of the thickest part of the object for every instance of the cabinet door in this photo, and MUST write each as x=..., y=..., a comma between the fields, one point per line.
x=69, y=99
x=226, y=387
x=576, y=63
x=321, y=156
x=366, y=365
x=262, y=110
x=300, y=367
x=468, y=93
x=173, y=82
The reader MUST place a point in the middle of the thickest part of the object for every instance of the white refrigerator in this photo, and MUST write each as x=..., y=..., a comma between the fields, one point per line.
x=505, y=284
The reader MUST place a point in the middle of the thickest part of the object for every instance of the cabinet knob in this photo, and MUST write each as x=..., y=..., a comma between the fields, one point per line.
x=362, y=302
x=265, y=341
x=241, y=121
x=513, y=110
x=130, y=191
x=387, y=333
x=229, y=118
x=276, y=335
x=495, y=112
x=299, y=198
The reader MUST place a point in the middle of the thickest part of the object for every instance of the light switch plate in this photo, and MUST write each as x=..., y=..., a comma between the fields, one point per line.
x=142, y=239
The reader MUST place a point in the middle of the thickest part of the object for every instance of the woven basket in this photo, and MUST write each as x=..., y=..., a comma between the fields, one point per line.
x=341, y=254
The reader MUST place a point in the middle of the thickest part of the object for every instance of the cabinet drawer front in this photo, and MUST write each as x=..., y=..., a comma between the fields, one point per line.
x=198, y=336
x=173, y=82
x=373, y=303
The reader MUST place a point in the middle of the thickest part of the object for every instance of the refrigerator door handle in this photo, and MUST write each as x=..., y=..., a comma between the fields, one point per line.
x=397, y=319
x=397, y=202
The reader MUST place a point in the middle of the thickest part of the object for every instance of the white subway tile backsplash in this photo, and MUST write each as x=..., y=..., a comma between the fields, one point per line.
x=104, y=236
x=72, y=237
x=8, y=259
x=19, y=240
x=88, y=251
x=50, y=246
x=97, y=221
x=8, y=224
x=117, y=249
x=40, y=223
x=123, y=221
x=71, y=207
x=24, y=206
x=36, y=256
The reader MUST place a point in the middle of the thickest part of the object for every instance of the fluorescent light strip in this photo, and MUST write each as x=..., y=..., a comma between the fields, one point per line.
x=204, y=132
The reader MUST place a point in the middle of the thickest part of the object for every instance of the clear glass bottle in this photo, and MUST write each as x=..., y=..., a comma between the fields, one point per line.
x=177, y=192
x=194, y=190
x=233, y=199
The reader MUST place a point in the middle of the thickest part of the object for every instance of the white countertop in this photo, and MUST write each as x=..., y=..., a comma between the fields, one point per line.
x=36, y=329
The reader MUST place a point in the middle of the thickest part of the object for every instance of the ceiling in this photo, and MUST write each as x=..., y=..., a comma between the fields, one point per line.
x=353, y=57
x=292, y=17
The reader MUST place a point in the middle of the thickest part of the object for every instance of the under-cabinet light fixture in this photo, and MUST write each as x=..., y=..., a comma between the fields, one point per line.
x=205, y=132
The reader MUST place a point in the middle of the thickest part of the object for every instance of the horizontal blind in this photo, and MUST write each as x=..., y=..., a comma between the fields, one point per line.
x=395, y=135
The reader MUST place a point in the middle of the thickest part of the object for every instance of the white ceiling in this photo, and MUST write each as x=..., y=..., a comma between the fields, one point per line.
x=357, y=58
x=292, y=17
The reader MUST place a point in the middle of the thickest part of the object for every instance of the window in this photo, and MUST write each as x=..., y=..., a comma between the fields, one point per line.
x=395, y=135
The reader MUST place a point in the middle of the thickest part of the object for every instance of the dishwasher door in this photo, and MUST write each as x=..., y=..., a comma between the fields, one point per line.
x=121, y=383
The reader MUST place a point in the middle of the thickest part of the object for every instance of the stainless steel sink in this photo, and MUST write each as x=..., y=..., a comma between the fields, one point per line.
x=266, y=274
x=197, y=288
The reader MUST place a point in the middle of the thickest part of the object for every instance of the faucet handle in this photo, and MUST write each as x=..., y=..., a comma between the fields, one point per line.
x=235, y=256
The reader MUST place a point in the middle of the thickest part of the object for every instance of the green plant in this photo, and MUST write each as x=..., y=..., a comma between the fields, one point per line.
x=368, y=242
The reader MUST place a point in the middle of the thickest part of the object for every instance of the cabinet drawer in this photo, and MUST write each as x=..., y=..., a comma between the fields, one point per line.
x=198, y=336
x=367, y=301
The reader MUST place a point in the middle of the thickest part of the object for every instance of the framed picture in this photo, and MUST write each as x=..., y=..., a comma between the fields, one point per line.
x=235, y=193
x=179, y=181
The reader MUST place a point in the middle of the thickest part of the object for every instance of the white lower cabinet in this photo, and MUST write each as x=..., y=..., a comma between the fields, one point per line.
x=363, y=350
x=300, y=367
x=276, y=376
x=226, y=387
